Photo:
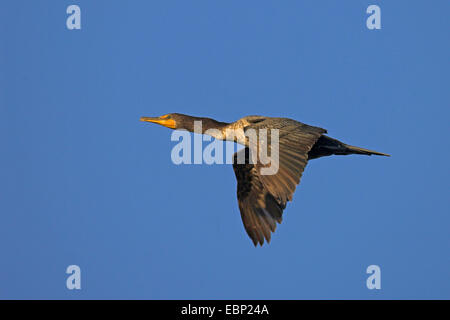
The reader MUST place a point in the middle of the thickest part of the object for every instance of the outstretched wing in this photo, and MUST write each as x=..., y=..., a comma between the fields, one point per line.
x=262, y=198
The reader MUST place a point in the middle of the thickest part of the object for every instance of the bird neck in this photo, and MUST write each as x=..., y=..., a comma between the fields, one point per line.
x=201, y=125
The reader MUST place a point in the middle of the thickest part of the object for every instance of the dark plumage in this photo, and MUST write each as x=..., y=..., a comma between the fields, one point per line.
x=262, y=198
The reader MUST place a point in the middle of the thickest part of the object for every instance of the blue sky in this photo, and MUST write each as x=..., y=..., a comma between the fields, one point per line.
x=83, y=182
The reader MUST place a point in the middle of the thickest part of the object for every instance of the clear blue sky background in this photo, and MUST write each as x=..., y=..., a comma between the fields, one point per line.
x=83, y=181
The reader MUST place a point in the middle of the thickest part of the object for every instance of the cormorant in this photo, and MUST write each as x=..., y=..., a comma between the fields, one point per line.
x=262, y=198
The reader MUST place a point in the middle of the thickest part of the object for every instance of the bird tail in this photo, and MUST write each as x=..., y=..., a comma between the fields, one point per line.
x=357, y=150
x=327, y=146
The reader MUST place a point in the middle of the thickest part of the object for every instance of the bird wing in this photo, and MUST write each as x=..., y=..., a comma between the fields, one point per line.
x=262, y=198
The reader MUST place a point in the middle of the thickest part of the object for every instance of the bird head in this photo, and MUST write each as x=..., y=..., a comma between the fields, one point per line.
x=179, y=121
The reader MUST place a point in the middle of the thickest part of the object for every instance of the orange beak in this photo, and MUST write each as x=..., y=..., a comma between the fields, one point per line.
x=169, y=123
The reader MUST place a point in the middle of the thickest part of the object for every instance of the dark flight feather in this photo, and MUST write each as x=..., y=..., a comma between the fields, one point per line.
x=262, y=198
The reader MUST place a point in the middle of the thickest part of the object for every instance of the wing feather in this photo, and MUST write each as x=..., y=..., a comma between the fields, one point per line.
x=262, y=198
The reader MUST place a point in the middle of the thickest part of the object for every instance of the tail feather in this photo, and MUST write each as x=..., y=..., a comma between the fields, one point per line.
x=326, y=146
x=358, y=150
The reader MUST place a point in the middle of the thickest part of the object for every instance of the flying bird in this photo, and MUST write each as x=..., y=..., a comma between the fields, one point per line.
x=263, y=197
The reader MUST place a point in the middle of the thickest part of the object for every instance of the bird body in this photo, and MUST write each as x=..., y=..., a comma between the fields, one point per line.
x=263, y=197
